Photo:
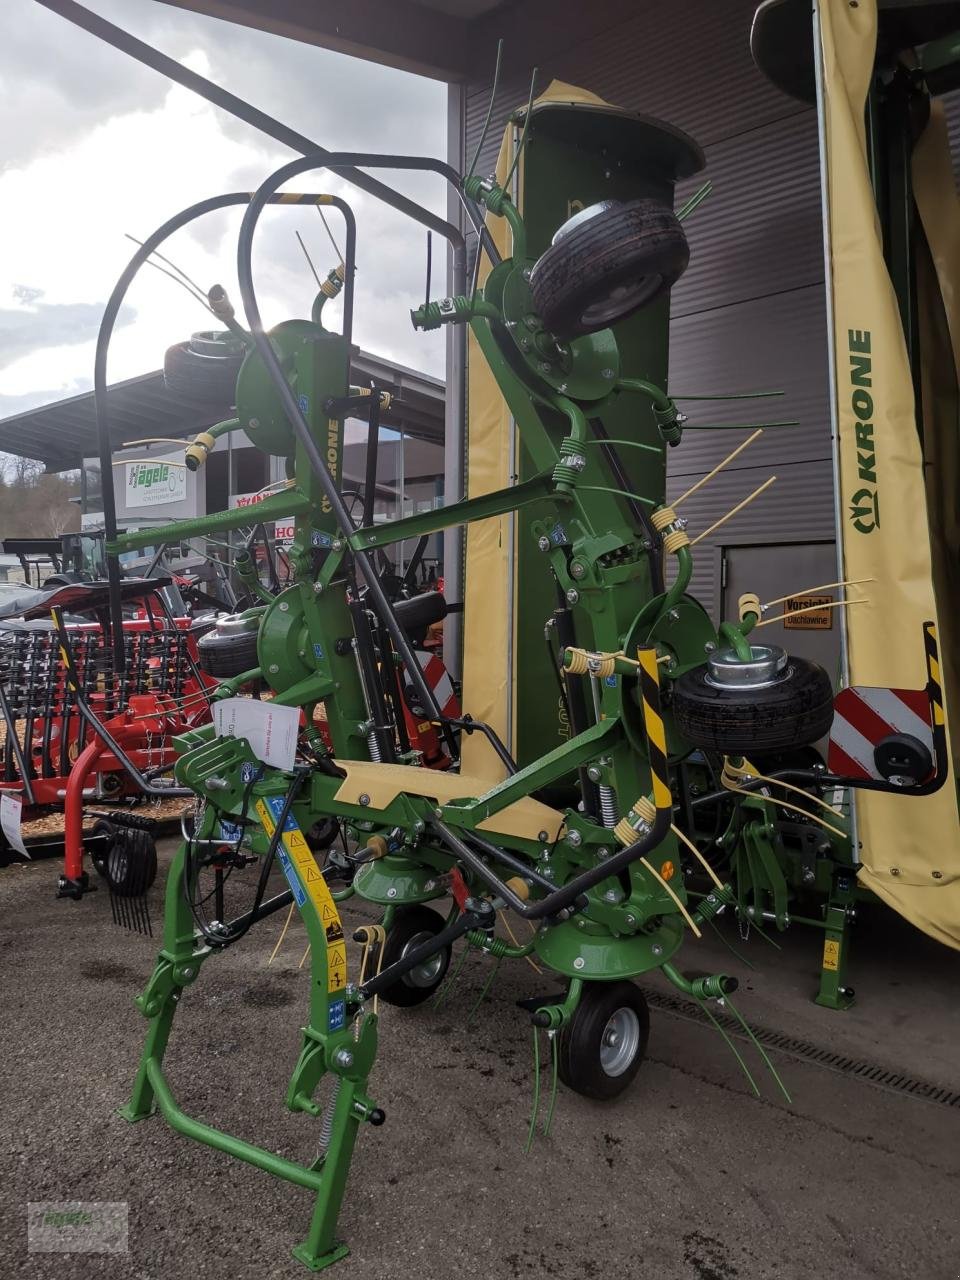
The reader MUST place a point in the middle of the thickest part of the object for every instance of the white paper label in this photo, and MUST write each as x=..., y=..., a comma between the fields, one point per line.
x=271, y=730
x=10, y=808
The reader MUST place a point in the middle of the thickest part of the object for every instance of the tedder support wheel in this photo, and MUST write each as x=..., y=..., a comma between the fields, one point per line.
x=412, y=926
x=604, y=1043
x=230, y=648
x=607, y=262
x=792, y=709
x=205, y=367
x=131, y=866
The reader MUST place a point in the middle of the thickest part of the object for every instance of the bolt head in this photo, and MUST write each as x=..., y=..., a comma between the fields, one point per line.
x=579, y=962
x=364, y=799
x=273, y=668
x=594, y=774
x=318, y=587
x=656, y=949
x=577, y=569
x=543, y=836
x=543, y=543
x=391, y=892
x=575, y=839
x=284, y=606
x=343, y=1058
x=572, y=596
x=611, y=895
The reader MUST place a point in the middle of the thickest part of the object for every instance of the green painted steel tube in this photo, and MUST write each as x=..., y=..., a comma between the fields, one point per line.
x=287, y=503
x=464, y=512
x=713, y=986
x=735, y=638
x=200, y=1132
x=198, y=450
x=682, y=580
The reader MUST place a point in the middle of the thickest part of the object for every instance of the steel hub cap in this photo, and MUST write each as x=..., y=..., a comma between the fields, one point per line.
x=620, y=299
x=426, y=974
x=619, y=1042
x=765, y=667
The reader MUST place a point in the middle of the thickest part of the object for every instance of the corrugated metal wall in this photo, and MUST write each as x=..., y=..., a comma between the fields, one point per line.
x=749, y=312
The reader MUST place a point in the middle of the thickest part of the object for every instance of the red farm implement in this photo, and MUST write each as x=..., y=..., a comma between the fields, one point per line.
x=89, y=716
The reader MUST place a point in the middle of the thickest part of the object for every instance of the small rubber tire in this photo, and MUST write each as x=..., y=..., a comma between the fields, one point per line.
x=224, y=654
x=795, y=711
x=131, y=863
x=198, y=375
x=608, y=266
x=104, y=828
x=603, y=1045
x=411, y=926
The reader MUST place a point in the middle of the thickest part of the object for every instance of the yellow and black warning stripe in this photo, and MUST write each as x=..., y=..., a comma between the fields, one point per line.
x=934, y=688
x=649, y=675
x=298, y=197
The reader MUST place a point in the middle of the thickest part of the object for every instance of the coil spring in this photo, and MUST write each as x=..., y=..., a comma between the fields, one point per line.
x=326, y=1124
x=662, y=517
x=580, y=662
x=566, y=471
x=495, y=947
x=373, y=746
x=644, y=811
x=609, y=809
x=675, y=539
x=749, y=602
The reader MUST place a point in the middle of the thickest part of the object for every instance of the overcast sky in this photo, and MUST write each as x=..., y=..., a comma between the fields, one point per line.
x=93, y=145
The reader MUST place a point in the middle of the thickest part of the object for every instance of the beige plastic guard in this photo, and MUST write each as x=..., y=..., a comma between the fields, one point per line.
x=525, y=819
x=488, y=632
x=910, y=846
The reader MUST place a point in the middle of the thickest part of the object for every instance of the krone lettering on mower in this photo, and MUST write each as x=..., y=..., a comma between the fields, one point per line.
x=865, y=505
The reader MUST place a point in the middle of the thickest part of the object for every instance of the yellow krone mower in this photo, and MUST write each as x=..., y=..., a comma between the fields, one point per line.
x=577, y=826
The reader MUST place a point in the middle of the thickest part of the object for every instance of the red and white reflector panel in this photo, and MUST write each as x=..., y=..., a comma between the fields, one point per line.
x=437, y=678
x=864, y=716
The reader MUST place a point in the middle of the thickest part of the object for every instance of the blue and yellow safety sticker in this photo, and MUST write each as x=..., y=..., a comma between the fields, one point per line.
x=306, y=881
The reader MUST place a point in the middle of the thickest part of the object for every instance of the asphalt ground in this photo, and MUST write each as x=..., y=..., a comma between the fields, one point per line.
x=686, y=1177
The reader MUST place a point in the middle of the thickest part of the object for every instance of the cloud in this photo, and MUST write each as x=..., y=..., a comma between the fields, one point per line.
x=35, y=325
x=98, y=145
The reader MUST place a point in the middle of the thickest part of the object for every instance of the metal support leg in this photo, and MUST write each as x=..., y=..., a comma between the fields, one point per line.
x=177, y=966
x=834, y=992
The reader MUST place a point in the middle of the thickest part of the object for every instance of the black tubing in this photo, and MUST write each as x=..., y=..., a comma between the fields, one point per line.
x=567, y=894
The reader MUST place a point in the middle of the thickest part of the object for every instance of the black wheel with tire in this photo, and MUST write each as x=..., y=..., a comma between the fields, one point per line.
x=131, y=863
x=230, y=648
x=793, y=710
x=604, y=1043
x=104, y=833
x=412, y=926
x=205, y=367
x=607, y=262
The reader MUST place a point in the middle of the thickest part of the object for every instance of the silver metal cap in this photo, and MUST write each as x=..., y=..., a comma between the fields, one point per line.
x=766, y=666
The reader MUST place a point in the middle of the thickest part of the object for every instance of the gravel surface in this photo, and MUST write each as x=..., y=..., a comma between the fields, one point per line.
x=687, y=1177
